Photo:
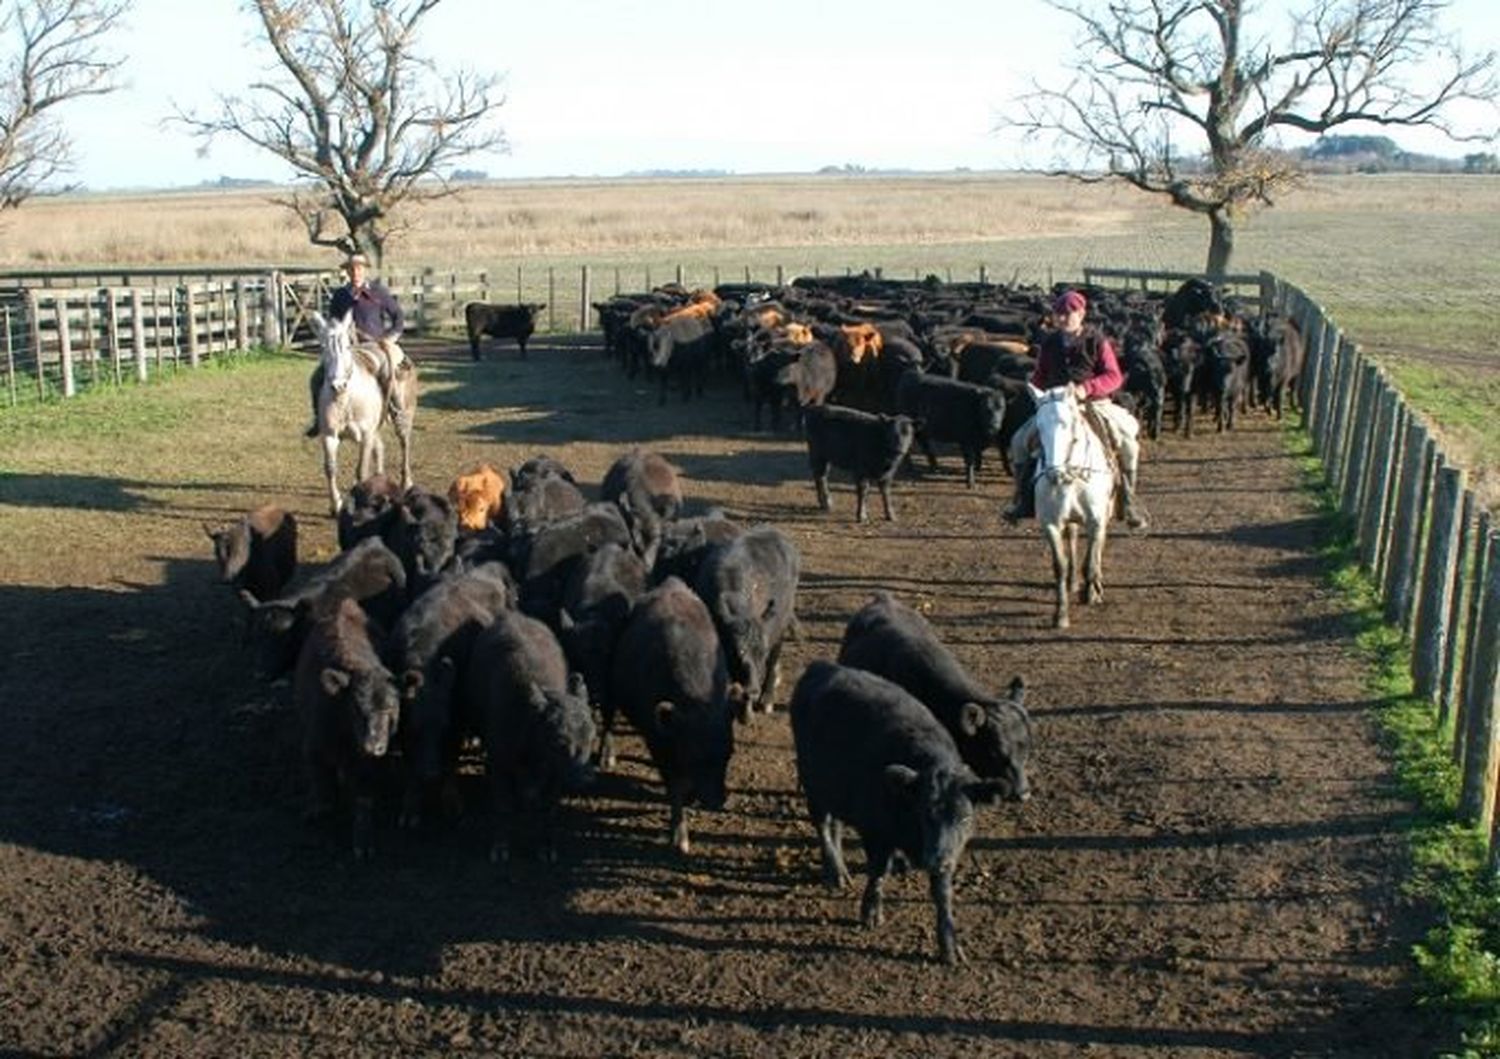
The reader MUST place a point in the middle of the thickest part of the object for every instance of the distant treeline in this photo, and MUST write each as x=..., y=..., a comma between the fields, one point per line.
x=1380, y=154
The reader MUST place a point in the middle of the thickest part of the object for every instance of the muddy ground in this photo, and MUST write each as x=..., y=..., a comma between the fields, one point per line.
x=1209, y=866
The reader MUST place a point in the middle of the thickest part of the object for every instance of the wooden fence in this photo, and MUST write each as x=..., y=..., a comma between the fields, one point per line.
x=1422, y=536
x=56, y=338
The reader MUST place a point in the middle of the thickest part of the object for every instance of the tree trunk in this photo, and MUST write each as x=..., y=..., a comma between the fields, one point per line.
x=1221, y=242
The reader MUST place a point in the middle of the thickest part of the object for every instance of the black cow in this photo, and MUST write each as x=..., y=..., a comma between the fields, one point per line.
x=595, y=606
x=670, y=677
x=1277, y=354
x=948, y=410
x=683, y=346
x=750, y=587
x=544, y=558
x=534, y=720
x=369, y=573
x=1226, y=361
x=349, y=704
x=871, y=756
x=686, y=542
x=992, y=732
x=647, y=490
x=367, y=510
x=430, y=650
x=500, y=321
x=258, y=553
x=542, y=490
x=871, y=447
x=423, y=534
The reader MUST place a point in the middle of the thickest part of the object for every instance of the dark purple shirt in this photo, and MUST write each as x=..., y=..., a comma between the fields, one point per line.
x=376, y=314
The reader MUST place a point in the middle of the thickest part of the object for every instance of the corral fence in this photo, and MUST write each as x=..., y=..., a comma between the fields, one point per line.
x=62, y=330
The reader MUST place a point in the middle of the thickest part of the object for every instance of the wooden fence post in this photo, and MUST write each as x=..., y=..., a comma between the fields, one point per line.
x=10, y=359
x=190, y=316
x=1433, y=628
x=112, y=331
x=1406, y=525
x=1449, y=694
x=1475, y=591
x=1385, y=462
x=1359, y=440
x=1332, y=374
x=551, y=299
x=1314, y=378
x=272, y=321
x=138, y=334
x=780, y=276
x=680, y=281
x=583, y=301
x=34, y=336
x=1479, y=753
x=1341, y=397
x=241, y=315
x=64, y=343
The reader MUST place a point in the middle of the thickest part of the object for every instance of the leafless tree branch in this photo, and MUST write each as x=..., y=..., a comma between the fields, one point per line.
x=1149, y=76
x=369, y=126
x=51, y=52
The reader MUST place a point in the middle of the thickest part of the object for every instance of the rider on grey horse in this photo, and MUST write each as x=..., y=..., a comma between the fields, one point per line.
x=1085, y=359
x=377, y=319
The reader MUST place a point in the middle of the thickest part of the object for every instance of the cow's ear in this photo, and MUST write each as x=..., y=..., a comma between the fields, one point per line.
x=565, y=622
x=577, y=687
x=248, y=599
x=213, y=534
x=333, y=681
x=664, y=711
x=970, y=718
x=411, y=684
x=1017, y=690
x=901, y=780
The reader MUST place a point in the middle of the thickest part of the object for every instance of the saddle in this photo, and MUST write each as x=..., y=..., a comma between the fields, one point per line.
x=1106, y=436
x=388, y=362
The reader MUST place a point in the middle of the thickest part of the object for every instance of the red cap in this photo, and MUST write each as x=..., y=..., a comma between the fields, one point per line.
x=1069, y=301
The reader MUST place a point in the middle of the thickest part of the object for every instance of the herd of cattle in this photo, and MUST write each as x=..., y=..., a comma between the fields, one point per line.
x=513, y=618
x=896, y=363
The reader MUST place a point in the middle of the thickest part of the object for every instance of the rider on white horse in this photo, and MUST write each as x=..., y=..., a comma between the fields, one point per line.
x=377, y=321
x=1084, y=359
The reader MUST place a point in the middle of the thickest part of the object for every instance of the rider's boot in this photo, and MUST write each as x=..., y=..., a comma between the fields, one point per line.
x=315, y=385
x=1131, y=509
x=1023, y=505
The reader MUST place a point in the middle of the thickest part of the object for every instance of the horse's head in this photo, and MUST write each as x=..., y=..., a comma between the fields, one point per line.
x=336, y=347
x=1068, y=443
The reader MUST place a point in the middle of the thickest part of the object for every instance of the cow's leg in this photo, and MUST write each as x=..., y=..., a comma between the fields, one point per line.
x=885, y=497
x=831, y=837
x=877, y=864
x=820, y=483
x=521, y=341
x=940, y=881
x=971, y=466
x=771, y=679
x=331, y=470
x=679, y=828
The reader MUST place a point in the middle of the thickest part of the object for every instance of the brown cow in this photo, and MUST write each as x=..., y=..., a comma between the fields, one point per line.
x=477, y=497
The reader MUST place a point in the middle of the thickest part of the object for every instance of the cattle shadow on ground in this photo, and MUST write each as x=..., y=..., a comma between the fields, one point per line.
x=658, y=1025
x=136, y=729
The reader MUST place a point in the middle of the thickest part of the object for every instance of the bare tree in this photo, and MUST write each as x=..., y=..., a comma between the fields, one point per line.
x=51, y=52
x=1179, y=98
x=366, y=124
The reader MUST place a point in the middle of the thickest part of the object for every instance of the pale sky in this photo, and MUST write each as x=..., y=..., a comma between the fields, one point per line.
x=603, y=87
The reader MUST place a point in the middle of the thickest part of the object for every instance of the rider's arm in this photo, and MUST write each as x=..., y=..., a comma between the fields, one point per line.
x=395, y=320
x=1108, y=379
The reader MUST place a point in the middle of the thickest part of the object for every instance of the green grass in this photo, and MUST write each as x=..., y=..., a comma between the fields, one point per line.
x=1459, y=959
x=110, y=413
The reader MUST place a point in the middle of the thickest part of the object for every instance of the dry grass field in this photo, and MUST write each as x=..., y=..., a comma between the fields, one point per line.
x=1407, y=264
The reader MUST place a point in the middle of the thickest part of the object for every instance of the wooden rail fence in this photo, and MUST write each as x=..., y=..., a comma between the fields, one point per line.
x=1421, y=535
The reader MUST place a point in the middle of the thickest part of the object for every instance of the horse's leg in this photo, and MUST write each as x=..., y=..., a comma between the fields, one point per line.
x=331, y=470
x=403, y=434
x=1093, y=569
x=1054, y=535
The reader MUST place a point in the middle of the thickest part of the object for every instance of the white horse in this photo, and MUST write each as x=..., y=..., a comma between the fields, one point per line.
x=353, y=405
x=1075, y=484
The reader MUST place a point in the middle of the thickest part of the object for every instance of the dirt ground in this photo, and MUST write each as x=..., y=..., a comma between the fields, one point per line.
x=1208, y=867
